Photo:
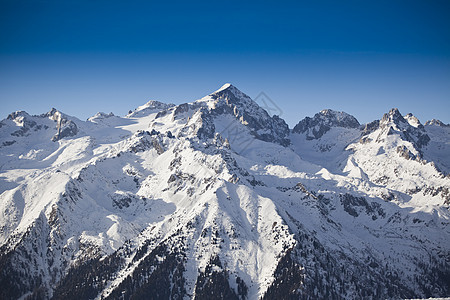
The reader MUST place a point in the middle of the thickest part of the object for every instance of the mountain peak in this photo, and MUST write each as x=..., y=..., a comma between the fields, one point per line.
x=228, y=92
x=408, y=128
x=436, y=122
x=339, y=118
x=232, y=96
x=323, y=121
x=412, y=120
x=17, y=114
x=53, y=114
x=393, y=116
x=224, y=87
x=394, y=119
x=148, y=108
x=230, y=100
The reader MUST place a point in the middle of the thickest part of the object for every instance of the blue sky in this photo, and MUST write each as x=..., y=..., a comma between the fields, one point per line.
x=362, y=57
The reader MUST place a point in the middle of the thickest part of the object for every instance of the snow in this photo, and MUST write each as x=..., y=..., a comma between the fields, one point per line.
x=127, y=180
x=223, y=87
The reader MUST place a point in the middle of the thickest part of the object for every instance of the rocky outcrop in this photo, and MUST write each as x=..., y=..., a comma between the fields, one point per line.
x=100, y=116
x=323, y=121
x=436, y=123
x=412, y=120
x=64, y=126
x=151, y=106
x=394, y=123
x=230, y=100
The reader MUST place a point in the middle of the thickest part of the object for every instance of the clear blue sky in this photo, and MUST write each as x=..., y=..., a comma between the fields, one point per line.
x=362, y=57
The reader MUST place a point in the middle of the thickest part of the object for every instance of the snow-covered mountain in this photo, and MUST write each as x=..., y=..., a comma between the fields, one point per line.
x=316, y=127
x=216, y=199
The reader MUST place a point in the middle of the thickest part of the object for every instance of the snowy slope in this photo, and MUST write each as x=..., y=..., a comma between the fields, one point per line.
x=216, y=199
x=438, y=149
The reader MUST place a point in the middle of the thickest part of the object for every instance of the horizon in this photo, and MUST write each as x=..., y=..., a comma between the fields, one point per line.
x=361, y=58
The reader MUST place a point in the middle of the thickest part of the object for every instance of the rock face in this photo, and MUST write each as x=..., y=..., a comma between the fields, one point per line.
x=216, y=199
x=64, y=126
x=437, y=123
x=394, y=123
x=230, y=100
x=28, y=124
x=24, y=121
x=322, y=122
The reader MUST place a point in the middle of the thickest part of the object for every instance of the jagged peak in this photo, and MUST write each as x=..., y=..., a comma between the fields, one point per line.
x=100, y=115
x=408, y=128
x=150, y=106
x=21, y=118
x=436, y=122
x=230, y=100
x=154, y=104
x=393, y=119
x=393, y=116
x=65, y=125
x=231, y=94
x=326, y=111
x=224, y=87
x=340, y=118
x=56, y=115
x=52, y=113
x=323, y=121
x=17, y=114
x=412, y=120
x=103, y=114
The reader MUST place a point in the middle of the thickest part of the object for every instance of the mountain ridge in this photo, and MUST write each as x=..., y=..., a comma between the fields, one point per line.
x=216, y=198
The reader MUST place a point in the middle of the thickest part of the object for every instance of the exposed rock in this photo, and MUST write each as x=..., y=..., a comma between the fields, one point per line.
x=394, y=123
x=413, y=121
x=436, y=123
x=405, y=153
x=353, y=204
x=64, y=126
x=371, y=127
x=151, y=106
x=271, y=129
x=322, y=122
x=8, y=143
x=159, y=149
x=179, y=109
x=23, y=120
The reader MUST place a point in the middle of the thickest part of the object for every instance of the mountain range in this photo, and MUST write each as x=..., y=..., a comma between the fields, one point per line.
x=217, y=199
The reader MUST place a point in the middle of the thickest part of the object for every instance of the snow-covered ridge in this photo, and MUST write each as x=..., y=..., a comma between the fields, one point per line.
x=436, y=123
x=229, y=99
x=148, y=108
x=26, y=124
x=100, y=116
x=322, y=122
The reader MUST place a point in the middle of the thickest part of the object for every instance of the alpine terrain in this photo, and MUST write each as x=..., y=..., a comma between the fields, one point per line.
x=217, y=199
